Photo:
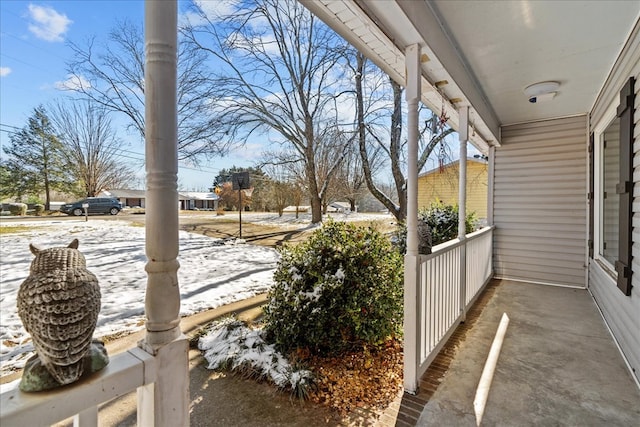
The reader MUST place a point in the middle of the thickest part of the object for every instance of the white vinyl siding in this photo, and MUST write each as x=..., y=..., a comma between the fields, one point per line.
x=540, y=203
x=622, y=313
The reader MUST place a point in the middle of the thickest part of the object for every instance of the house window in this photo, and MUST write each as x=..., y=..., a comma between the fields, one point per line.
x=611, y=189
x=609, y=199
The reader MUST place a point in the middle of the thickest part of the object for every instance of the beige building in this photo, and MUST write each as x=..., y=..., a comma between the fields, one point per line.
x=443, y=183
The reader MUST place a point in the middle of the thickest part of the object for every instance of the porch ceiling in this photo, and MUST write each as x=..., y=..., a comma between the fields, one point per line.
x=489, y=51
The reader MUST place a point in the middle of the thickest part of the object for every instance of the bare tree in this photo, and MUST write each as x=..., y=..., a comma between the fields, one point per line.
x=350, y=180
x=91, y=147
x=279, y=78
x=112, y=75
x=430, y=134
x=281, y=187
x=280, y=193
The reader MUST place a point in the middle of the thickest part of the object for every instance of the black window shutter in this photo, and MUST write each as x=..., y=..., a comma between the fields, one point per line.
x=590, y=195
x=625, y=186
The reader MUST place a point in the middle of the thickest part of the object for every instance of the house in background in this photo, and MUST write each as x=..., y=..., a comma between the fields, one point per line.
x=340, y=207
x=128, y=198
x=297, y=209
x=198, y=201
x=187, y=200
x=442, y=184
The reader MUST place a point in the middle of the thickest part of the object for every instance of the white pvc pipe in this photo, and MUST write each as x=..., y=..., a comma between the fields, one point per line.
x=482, y=392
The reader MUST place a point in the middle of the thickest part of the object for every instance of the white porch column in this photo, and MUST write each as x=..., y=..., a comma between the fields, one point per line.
x=166, y=401
x=463, y=133
x=411, y=259
x=491, y=183
x=162, y=303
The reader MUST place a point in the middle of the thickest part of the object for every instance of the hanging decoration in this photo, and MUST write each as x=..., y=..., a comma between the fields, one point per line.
x=442, y=121
x=441, y=157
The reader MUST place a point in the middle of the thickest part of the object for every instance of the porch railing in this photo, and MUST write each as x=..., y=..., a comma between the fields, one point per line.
x=443, y=299
x=125, y=373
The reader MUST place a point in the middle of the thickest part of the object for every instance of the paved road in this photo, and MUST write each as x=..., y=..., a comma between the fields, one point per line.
x=64, y=217
x=206, y=223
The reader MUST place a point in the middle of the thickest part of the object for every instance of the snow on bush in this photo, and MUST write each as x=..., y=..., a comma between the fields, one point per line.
x=232, y=345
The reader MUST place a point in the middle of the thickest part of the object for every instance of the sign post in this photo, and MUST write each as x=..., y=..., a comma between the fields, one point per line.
x=85, y=206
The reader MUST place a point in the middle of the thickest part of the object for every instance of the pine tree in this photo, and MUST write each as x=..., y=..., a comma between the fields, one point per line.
x=34, y=163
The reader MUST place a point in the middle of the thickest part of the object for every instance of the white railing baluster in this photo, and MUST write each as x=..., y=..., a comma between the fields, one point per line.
x=444, y=299
x=86, y=418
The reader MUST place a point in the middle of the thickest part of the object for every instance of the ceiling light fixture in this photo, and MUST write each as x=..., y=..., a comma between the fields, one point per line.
x=542, y=91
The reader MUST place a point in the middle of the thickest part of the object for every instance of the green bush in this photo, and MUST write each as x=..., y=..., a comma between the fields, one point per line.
x=38, y=209
x=19, y=209
x=442, y=220
x=32, y=200
x=337, y=291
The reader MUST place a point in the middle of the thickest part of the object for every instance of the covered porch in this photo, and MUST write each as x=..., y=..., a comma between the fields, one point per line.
x=542, y=96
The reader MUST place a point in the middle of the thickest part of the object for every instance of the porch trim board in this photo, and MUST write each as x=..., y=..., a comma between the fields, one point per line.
x=559, y=285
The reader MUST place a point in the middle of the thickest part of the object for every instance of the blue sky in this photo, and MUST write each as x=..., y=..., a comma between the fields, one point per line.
x=33, y=56
x=33, y=53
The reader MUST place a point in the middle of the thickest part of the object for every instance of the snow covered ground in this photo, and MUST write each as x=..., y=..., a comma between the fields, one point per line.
x=211, y=273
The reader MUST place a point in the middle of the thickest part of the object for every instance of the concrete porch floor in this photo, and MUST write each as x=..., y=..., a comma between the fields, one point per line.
x=558, y=366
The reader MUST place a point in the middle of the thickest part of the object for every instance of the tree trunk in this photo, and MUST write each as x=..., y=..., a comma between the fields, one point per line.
x=316, y=210
x=395, y=148
x=362, y=143
x=47, y=197
x=310, y=170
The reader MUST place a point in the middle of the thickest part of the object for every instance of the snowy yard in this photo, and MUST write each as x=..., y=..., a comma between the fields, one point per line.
x=211, y=273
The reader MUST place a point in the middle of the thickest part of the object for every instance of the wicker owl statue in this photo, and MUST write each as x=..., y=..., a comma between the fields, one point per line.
x=59, y=304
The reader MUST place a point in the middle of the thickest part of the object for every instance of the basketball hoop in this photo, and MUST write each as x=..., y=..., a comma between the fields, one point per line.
x=248, y=191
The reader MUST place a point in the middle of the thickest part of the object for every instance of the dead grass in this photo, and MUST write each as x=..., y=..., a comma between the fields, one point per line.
x=15, y=229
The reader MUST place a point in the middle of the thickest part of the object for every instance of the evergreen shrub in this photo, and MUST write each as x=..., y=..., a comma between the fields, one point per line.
x=442, y=219
x=338, y=291
x=38, y=209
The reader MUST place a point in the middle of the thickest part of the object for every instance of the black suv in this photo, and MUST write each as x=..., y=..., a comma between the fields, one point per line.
x=97, y=205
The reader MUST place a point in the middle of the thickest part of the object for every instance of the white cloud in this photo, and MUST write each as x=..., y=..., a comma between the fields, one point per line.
x=4, y=71
x=214, y=10
x=217, y=8
x=73, y=83
x=47, y=24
